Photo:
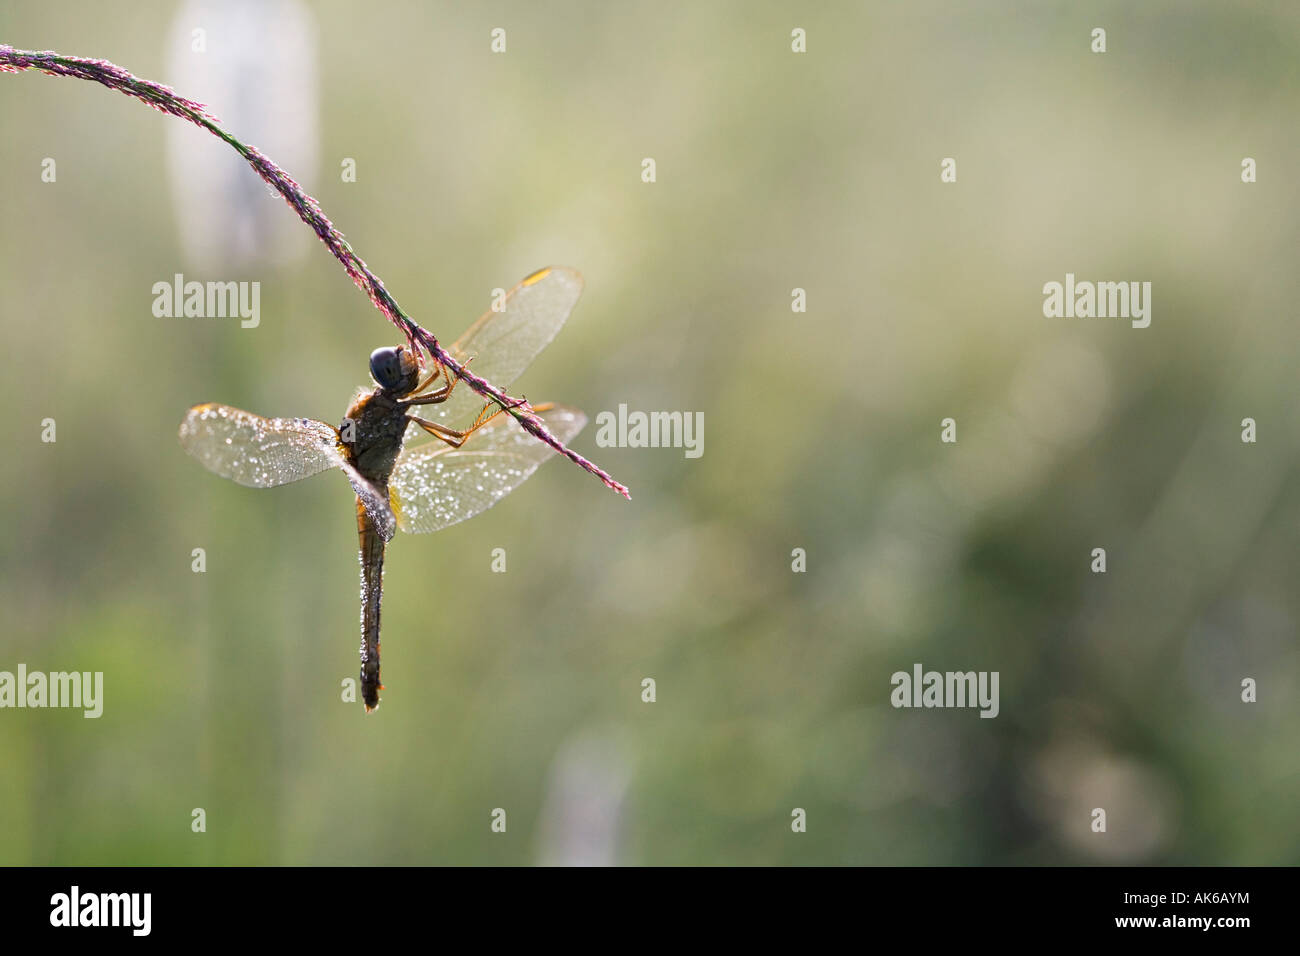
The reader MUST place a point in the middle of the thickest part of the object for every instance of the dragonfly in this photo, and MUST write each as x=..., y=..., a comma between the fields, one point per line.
x=476, y=455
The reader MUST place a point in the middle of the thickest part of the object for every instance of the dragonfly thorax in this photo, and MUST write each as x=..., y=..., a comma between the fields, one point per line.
x=372, y=434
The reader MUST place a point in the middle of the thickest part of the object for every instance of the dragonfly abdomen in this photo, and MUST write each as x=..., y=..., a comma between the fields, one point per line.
x=372, y=589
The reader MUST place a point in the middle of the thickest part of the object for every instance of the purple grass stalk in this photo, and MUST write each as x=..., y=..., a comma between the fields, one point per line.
x=418, y=338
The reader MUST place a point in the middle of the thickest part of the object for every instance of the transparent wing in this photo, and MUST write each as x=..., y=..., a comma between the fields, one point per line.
x=258, y=452
x=262, y=452
x=434, y=485
x=374, y=498
x=503, y=344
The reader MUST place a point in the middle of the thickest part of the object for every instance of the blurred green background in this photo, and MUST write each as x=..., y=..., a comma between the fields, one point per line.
x=775, y=170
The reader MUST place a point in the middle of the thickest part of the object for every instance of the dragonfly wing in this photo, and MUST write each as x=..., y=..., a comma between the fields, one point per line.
x=264, y=452
x=503, y=344
x=435, y=486
x=375, y=500
x=258, y=452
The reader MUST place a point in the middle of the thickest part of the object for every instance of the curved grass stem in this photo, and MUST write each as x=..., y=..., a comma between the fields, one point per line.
x=421, y=340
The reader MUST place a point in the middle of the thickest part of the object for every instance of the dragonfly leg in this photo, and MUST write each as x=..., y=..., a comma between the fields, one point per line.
x=433, y=398
x=451, y=436
x=439, y=370
x=439, y=396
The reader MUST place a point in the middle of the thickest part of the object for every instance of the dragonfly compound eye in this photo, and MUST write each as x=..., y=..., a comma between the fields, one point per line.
x=387, y=367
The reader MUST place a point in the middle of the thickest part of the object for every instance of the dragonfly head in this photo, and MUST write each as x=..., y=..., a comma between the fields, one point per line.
x=394, y=369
